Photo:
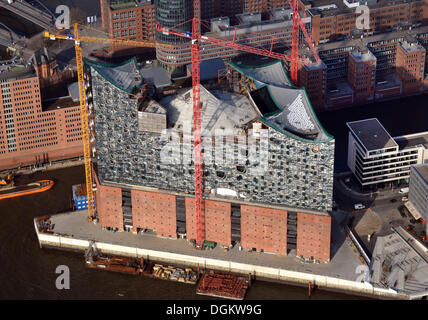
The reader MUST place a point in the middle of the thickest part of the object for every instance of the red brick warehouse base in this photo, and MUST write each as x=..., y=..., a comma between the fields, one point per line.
x=261, y=227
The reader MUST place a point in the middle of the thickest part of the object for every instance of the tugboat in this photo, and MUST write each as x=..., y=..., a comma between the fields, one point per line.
x=8, y=189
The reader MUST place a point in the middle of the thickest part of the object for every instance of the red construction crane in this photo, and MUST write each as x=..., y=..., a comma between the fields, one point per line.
x=197, y=39
x=297, y=22
x=197, y=139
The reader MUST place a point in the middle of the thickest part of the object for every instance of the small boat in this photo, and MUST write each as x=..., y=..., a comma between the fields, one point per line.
x=12, y=191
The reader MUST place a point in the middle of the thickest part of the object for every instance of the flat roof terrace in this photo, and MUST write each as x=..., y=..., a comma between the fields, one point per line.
x=371, y=134
x=412, y=140
x=422, y=169
x=18, y=73
x=124, y=4
x=59, y=103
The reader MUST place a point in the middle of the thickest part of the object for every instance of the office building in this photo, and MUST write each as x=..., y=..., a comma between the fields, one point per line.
x=418, y=191
x=377, y=159
x=33, y=131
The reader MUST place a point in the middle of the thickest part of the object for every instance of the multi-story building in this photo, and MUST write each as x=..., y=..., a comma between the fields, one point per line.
x=268, y=163
x=31, y=131
x=410, y=65
x=339, y=17
x=418, y=191
x=313, y=78
x=252, y=30
x=129, y=19
x=362, y=74
x=375, y=158
x=399, y=59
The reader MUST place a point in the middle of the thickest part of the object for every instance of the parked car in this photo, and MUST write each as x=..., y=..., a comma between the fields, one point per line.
x=393, y=200
x=359, y=206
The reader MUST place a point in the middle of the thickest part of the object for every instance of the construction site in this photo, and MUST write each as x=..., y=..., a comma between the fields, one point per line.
x=245, y=163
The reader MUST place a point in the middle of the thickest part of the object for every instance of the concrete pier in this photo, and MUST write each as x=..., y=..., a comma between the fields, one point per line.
x=73, y=231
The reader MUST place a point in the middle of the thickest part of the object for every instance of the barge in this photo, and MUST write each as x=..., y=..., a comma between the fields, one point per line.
x=12, y=191
x=223, y=285
x=95, y=260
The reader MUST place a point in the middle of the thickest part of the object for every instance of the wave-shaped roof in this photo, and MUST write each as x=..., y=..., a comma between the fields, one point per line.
x=272, y=73
x=126, y=76
x=284, y=107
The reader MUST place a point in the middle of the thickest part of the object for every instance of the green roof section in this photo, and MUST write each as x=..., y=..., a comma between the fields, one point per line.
x=118, y=74
x=117, y=5
x=243, y=67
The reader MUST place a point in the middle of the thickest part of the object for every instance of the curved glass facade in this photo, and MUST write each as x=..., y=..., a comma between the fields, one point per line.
x=169, y=13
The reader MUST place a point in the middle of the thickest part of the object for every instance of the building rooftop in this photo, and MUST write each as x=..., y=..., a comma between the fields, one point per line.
x=271, y=73
x=337, y=89
x=73, y=90
x=125, y=4
x=219, y=110
x=362, y=55
x=395, y=36
x=156, y=75
x=411, y=46
x=422, y=169
x=209, y=68
x=17, y=73
x=222, y=27
x=335, y=7
x=371, y=134
x=42, y=56
x=387, y=80
x=283, y=107
x=59, y=103
x=281, y=13
x=412, y=140
x=399, y=261
x=126, y=76
x=154, y=107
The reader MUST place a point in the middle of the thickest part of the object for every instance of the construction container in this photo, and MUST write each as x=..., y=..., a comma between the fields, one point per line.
x=80, y=198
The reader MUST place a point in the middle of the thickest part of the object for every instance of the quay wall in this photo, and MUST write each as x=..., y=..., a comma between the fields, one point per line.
x=277, y=274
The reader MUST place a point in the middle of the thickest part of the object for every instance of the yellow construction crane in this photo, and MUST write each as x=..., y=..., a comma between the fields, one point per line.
x=83, y=107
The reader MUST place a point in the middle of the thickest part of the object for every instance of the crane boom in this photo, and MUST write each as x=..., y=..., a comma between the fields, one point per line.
x=149, y=44
x=308, y=38
x=234, y=45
